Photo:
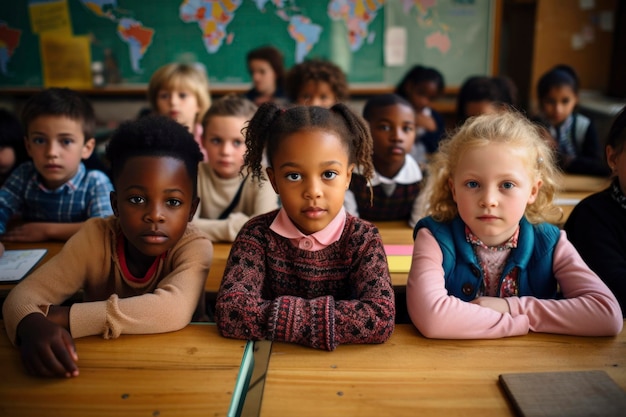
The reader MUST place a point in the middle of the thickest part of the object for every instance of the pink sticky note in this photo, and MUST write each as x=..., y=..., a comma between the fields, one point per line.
x=398, y=249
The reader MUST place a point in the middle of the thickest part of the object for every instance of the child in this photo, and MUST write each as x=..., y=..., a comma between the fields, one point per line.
x=308, y=273
x=181, y=92
x=142, y=270
x=397, y=178
x=484, y=95
x=227, y=199
x=597, y=225
x=54, y=194
x=421, y=86
x=12, y=149
x=574, y=134
x=485, y=265
x=265, y=65
x=317, y=83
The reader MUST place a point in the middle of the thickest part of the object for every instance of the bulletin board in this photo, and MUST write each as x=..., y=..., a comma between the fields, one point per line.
x=135, y=37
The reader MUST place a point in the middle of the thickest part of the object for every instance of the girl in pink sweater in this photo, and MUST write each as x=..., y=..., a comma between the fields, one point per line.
x=485, y=265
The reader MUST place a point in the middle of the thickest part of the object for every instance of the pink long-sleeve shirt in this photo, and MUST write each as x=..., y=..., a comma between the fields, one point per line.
x=587, y=309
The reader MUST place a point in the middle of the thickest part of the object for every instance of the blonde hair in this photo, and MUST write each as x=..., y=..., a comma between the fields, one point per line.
x=185, y=76
x=506, y=127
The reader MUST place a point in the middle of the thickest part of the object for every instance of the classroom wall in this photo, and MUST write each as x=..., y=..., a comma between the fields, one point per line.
x=567, y=32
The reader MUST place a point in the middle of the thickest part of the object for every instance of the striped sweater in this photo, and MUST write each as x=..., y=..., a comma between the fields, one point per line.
x=273, y=290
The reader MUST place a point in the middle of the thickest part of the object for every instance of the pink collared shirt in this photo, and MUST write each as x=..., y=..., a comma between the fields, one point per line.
x=283, y=225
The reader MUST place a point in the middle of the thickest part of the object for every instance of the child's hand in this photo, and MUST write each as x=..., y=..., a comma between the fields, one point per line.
x=47, y=348
x=495, y=303
x=427, y=122
x=26, y=232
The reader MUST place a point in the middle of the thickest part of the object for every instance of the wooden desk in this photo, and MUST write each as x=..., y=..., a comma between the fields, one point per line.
x=572, y=182
x=410, y=375
x=218, y=265
x=192, y=372
x=53, y=249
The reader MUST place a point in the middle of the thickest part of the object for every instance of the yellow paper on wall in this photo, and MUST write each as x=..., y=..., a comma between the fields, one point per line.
x=50, y=16
x=66, y=61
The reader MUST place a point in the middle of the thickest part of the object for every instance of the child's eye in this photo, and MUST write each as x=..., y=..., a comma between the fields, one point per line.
x=329, y=175
x=237, y=143
x=136, y=200
x=215, y=141
x=471, y=184
x=37, y=140
x=174, y=202
x=182, y=95
x=164, y=94
x=293, y=176
x=408, y=129
x=508, y=185
x=67, y=142
x=384, y=128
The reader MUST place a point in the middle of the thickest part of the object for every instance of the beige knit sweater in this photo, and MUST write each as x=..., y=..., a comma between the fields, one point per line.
x=112, y=304
x=217, y=193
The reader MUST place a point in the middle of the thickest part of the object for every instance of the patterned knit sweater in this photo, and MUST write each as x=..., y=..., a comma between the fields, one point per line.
x=273, y=290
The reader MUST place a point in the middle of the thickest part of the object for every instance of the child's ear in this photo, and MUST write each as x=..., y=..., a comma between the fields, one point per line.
x=113, y=199
x=534, y=191
x=349, y=176
x=270, y=175
x=194, y=207
x=611, y=156
x=27, y=145
x=88, y=147
x=451, y=187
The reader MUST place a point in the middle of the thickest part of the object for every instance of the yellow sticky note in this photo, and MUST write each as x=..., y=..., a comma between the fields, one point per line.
x=399, y=263
x=66, y=61
x=50, y=16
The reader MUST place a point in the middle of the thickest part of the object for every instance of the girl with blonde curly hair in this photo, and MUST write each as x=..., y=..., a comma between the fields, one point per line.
x=485, y=262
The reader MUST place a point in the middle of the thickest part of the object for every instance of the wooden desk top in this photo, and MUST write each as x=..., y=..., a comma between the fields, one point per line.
x=572, y=182
x=191, y=372
x=410, y=375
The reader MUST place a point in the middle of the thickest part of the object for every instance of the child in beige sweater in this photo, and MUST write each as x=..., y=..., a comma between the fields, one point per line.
x=142, y=270
x=228, y=198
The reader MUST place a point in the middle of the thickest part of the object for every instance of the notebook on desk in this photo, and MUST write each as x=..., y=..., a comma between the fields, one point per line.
x=571, y=394
x=399, y=258
x=16, y=264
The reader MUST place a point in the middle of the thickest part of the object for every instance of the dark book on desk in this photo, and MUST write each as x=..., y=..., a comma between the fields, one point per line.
x=571, y=394
x=16, y=264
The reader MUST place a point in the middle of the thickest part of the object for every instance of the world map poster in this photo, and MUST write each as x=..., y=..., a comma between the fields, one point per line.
x=140, y=36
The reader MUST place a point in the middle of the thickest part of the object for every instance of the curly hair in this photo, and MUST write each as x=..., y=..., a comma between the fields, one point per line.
x=419, y=74
x=507, y=127
x=317, y=70
x=61, y=102
x=180, y=75
x=272, y=56
x=157, y=136
x=271, y=124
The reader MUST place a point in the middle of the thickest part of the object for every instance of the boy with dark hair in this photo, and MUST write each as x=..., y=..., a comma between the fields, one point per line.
x=54, y=193
x=142, y=270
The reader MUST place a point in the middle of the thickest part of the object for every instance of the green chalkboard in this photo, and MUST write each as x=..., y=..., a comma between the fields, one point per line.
x=454, y=36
